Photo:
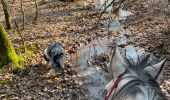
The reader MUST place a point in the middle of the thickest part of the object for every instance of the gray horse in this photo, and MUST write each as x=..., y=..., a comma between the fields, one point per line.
x=134, y=81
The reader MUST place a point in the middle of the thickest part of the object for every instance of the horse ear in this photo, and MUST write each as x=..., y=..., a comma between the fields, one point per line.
x=117, y=63
x=156, y=70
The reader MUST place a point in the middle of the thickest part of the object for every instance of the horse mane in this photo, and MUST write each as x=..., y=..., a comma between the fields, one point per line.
x=150, y=88
x=138, y=67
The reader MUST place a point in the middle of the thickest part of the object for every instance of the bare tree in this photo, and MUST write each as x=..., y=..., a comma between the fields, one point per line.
x=23, y=14
x=7, y=15
x=37, y=11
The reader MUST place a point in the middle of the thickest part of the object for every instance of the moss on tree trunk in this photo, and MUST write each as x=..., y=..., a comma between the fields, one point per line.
x=7, y=51
x=7, y=15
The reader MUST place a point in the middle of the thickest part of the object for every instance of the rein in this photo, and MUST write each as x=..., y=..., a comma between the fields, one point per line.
x=115, y=85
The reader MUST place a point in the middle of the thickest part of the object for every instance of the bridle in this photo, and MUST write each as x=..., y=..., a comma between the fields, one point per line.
x=130, y=83
x=115, y=85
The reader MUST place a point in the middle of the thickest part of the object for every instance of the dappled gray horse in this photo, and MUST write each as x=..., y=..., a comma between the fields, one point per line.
x=134, y=81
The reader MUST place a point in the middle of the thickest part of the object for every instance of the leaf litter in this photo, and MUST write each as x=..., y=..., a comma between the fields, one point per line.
x=74, y=25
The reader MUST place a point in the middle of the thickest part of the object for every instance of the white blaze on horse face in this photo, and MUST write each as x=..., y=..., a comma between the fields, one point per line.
x=117, y=63
x=156, y=70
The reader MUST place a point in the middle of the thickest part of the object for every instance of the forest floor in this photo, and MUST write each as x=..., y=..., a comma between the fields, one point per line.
x=74, y=25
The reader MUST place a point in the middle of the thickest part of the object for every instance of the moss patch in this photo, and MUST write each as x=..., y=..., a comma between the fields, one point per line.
x=7, y=51
x=3, y=82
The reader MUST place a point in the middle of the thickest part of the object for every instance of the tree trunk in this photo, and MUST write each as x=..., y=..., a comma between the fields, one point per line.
x=7, y=15
x=7, y=51
x=23, y=14
x=37, y=11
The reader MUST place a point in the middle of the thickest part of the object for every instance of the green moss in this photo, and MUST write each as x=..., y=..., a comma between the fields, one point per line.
x=27, y=47
x=21, y=61
x=34, y=46
x=7, y=50
x=3, y=82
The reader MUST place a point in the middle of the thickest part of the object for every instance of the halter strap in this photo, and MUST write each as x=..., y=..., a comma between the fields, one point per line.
x=127, y=86
x=133, y=81
x=115, y=85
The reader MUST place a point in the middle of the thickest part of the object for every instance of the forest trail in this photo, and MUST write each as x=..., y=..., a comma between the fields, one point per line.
x=74, y=25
